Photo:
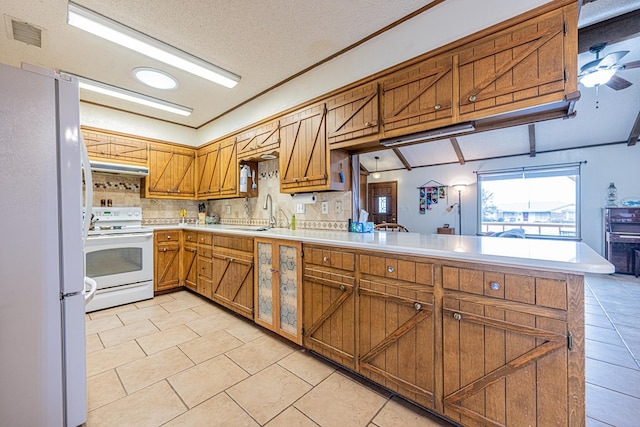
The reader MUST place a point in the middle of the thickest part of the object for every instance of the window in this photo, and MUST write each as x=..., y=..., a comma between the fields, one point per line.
x=543, y=201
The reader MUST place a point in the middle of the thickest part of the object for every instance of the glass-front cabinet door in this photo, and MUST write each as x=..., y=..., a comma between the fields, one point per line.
x=278, y=296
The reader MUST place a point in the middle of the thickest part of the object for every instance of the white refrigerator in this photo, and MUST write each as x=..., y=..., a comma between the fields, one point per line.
x=42, y=330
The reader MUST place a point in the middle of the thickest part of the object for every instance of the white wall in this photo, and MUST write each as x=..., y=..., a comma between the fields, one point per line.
x=119, y=121
x=617, y=163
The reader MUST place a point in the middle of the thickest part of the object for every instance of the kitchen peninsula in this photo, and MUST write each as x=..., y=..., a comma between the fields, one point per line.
x=482, y=330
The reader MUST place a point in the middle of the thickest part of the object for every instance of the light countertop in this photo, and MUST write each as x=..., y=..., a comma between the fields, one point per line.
x=567, y=256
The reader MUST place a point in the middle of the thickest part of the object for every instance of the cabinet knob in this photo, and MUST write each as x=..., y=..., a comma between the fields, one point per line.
x=367, y=124
x=102, y=152
x=117, y=154
x=472, y=98
x=457, y=316
x=495, y=286
x=417, y=306
x=188, y=237
x=164, y=249
x=168, y=237
x=305, y=178
x=325, y=259
x=437, y=107
x=390, y=269
x=343, y=288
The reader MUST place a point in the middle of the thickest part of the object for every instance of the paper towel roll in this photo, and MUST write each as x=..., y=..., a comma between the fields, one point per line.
x=306, y=198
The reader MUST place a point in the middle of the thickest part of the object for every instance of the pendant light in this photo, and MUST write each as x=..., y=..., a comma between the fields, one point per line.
x=376, y=174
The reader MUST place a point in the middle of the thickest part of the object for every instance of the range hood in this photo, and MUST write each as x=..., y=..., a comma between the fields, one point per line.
x=119, y=168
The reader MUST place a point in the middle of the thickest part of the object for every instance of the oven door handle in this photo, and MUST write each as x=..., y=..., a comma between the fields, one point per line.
x=118, y=236
x=93, y=287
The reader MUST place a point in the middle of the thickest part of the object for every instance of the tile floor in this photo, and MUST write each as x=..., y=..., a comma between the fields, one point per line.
x=180, y=360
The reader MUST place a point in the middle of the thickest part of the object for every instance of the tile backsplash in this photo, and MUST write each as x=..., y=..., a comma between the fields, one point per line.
x=124, y=190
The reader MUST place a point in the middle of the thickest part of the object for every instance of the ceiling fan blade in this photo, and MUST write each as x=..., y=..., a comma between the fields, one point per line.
x=632, y=64
x=612, y=58
x=590, y=66
x=618, y=83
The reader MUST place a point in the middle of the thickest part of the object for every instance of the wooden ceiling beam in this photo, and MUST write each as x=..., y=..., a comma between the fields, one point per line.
x=402, y=158
x=611, y=31
x=635, y=132
x=532, y=140
x=456, y=148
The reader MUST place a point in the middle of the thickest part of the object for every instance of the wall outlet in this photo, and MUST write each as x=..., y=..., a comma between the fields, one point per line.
x=337, y=207
x=300, y=208
x=325, y=208
x=228, y=209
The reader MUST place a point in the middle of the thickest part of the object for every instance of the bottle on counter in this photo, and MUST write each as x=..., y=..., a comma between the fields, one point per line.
x=293, y=222
x=612, y=196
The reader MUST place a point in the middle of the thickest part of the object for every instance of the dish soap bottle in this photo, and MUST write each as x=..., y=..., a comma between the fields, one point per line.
x=293, y=221
x=612, y=196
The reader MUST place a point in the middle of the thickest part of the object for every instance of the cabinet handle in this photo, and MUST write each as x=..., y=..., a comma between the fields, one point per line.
x=390, y=269
x=417, y=306
x=164, y=249
x=343, y=288
x=457, y=316
x=367, y=124
x=325, y=259
x=188, y=237
x=273, y=270
x=305, y=178
x=472, y=98
x=495, y=286
x=437, y=107
x=102, y=152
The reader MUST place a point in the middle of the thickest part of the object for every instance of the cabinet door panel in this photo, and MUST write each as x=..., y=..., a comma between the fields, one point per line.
x=421, y=96
x=98, y=144
x=167, y=266
x=526, y=61
x=264, y=138
x=128, y=149
x=171, y=171
x=232, y=284
x=353, y=114
x=229, y=168
x=189, y=267
x=329, y=313
x=396, y=346
x=496, y=359
x=264, y=291
x=208, y=171
x=303, y=149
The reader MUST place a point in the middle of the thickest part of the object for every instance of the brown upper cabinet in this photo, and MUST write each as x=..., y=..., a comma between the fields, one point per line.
x=419, y=97
x=171, y=172
x=305, y=161
x=217, y=166
x=114, y=148
x=259, y=140
x=522, y=66
x=353, y=116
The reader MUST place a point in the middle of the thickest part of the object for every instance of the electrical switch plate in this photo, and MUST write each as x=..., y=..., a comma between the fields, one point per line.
x=325, y=208
x=228, y=209
x=337, y=207
x=300, y=208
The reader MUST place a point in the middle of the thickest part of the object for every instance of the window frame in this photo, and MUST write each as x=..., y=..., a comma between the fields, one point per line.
x=568, y=169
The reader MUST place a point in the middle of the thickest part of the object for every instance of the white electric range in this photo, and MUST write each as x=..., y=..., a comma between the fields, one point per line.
x=119, y=257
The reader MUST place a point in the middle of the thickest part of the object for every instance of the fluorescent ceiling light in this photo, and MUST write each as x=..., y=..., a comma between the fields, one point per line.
x=130, y=96
x=155, y=78
x=115, y=32
x=599, y=77
x=430, y=134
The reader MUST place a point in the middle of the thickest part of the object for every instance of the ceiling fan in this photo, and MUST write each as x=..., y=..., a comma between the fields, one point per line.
x=602, y=71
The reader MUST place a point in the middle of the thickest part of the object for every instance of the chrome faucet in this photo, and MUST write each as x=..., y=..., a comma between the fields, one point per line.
x=272, y=220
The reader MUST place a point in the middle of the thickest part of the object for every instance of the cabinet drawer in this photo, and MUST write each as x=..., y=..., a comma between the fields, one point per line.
x=237, y=243
x=406, y=269
x=168, y=236
x=528, y=289
x=329, y=258
x=205, y=238
x=205, y=252
x=190, y=237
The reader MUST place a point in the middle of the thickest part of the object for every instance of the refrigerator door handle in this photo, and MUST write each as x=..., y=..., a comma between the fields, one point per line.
x=88, y=192
x=93, y=287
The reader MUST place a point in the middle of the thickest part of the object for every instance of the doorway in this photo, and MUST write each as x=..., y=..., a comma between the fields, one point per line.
x=383, y=202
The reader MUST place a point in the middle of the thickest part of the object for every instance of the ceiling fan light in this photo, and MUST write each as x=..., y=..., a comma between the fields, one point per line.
x=155, y=78
x=596, y=78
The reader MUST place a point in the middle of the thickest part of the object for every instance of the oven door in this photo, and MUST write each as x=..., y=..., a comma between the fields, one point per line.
x=119, y=259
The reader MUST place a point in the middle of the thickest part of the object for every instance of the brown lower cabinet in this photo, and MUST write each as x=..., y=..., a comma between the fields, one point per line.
x=483, y=345
x=232, y=273
x=166, y=260
x=190, y=260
